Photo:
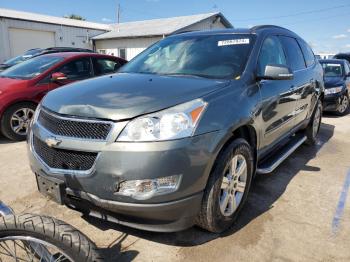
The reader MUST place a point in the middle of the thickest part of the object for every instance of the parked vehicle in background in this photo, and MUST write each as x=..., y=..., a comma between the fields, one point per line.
x=337, y=85
x=39, y=51
x=24, y=85
x=345, y=56
x=176, y=137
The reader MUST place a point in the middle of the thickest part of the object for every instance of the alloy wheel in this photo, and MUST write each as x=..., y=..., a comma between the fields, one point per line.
x=20, y=120
x=233, y=185
x=344, y=104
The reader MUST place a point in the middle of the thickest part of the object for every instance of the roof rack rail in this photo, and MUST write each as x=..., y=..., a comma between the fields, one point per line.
x=259, y=27
x=182, y=32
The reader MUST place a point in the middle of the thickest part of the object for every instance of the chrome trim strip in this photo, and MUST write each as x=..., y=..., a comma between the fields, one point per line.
x=78, y=120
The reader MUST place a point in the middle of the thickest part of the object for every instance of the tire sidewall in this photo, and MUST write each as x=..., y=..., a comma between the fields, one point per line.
x=311, y=138
x=219, y=221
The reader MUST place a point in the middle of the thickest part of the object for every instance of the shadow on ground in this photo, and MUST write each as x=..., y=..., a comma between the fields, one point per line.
x=4, y=140
x=266, y=189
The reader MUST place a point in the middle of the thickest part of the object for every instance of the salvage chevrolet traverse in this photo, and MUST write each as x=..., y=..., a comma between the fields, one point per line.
x=176, y=137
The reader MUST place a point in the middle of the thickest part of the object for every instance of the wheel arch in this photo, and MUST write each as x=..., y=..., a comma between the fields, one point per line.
x=13, y=103
x=245, y=131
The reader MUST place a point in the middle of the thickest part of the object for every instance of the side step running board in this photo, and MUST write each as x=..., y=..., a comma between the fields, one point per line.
x=272, y=163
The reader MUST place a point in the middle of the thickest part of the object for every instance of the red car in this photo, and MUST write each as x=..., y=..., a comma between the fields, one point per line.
x=24, y=85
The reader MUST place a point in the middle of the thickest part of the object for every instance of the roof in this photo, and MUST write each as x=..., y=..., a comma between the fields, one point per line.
x=7, y=13
x=158, y=27
x=74, y=54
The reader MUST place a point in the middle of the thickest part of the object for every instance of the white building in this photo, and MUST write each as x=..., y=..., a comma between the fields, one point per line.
x=322, y=55
x=20, y=31
x=129, y=39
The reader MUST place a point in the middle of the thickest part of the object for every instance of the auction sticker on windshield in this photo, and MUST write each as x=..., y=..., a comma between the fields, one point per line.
x=243, y=41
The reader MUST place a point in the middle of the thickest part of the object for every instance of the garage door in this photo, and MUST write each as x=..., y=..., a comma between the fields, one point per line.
x=22, y=39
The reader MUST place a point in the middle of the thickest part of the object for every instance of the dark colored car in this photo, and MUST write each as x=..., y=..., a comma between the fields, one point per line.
x=176, y=137
x=39, y=51
x=24, y=85
x=345, y=56
x=337, y=85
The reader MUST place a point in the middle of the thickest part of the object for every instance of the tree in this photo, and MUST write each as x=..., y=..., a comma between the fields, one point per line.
x=76, y=17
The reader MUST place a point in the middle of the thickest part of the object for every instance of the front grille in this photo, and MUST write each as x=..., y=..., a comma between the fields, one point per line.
x=63, y=159
x=74, y=128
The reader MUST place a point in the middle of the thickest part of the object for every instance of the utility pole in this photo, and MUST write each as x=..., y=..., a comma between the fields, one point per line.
x=118, y=14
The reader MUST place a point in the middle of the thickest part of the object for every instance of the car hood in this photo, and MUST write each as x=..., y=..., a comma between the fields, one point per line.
x=333, y=81
x=125, y=96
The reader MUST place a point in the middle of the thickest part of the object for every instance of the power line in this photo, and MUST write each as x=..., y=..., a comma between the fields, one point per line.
x=295, y=14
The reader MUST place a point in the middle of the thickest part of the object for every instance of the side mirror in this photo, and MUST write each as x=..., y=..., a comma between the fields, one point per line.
x=277, y=72
x=58, y=76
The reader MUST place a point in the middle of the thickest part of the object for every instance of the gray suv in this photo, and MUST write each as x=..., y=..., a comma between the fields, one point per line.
x=176, y=137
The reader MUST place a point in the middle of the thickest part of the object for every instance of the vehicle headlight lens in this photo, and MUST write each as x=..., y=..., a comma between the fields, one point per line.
x=173, y=123
x=146, y=189
x=333, y=90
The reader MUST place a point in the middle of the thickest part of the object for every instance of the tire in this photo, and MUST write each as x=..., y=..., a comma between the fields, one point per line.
x=214, y=216
x=313, y=128
x=62, y=236
x=7, y=123
x=344, y=106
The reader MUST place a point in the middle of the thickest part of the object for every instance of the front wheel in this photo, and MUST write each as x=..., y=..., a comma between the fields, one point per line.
x=344, y=106
x=227, y=187
x=37, y=238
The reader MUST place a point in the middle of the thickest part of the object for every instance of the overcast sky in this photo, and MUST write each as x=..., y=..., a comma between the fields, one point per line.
x=324, y=24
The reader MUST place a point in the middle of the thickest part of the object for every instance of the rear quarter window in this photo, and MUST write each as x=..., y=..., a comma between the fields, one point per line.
x=308, y=53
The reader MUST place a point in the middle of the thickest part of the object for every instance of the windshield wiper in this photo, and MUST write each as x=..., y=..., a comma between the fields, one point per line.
x=184, y=74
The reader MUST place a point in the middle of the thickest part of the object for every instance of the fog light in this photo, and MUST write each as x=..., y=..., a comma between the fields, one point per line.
x=147, y=188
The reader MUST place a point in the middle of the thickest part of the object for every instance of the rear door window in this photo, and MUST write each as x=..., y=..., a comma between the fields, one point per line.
x=104, y=66
x=271, y=53
x=294, y=54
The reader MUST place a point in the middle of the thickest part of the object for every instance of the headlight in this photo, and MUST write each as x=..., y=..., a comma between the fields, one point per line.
x=146, y=189
x=333, y=90
x=177, y=122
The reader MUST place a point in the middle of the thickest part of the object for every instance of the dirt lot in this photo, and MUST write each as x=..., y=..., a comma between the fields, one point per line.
x=297, y=213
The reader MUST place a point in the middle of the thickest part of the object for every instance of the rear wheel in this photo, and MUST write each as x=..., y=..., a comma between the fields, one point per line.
x=37, y=238
x=314, y=126
x=343, y=108
x=16, y=119
x=227, y=187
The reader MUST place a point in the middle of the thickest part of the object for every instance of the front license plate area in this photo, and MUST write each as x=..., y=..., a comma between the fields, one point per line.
x=51, y=187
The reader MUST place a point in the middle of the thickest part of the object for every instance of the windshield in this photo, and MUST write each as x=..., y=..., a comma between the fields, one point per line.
x=213, y=56
x=31, y=68
x=332, y=69
x=21, y=58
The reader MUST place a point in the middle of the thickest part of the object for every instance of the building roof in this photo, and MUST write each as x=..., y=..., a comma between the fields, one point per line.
x=158, y=27
x=7, y=13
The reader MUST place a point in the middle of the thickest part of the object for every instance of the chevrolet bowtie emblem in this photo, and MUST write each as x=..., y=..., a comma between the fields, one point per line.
x=52, y=141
